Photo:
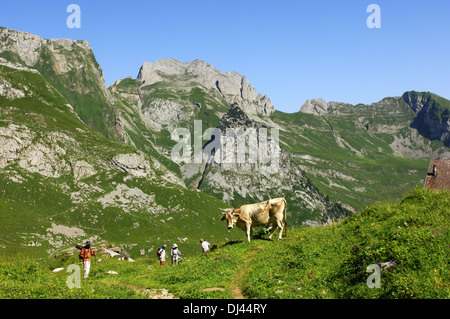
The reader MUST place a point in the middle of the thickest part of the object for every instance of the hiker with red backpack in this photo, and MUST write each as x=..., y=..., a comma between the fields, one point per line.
x=85, y=256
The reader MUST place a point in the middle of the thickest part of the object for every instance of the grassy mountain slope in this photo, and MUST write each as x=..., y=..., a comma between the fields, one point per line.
x=359, y=154
x=63, y=182
x=331, y=261
x=323, y=262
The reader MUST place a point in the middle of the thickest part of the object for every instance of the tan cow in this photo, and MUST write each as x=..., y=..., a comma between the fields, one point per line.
x=268, y=213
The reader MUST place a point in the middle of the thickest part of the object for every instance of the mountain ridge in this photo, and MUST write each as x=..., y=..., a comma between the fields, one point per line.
x=71, y=67
x=231, y=85
x=432, y=112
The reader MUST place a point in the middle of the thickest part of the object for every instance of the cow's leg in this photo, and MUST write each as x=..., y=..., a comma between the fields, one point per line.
x=280, y=225
x=272, y=231
x=249, y=231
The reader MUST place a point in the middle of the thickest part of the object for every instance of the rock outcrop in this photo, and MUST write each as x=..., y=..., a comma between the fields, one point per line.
x=432, y=120
x=132, y=164
x=315, y=106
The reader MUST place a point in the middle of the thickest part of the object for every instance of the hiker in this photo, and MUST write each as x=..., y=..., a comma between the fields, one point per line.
x=175, y=252
x=162, y=255
x=85, y=255
x=205, y=245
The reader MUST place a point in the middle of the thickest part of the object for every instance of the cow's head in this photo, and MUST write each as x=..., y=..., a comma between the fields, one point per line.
x=231, y=217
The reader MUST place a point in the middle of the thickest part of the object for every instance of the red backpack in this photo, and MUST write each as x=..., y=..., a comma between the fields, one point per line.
x=85, y=254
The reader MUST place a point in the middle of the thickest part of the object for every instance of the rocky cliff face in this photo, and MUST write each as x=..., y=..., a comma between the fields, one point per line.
x=69, y=66
x=432, y=120
x=233, y=87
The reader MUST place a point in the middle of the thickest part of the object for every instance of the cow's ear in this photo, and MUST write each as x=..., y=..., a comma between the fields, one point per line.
x=223, y=217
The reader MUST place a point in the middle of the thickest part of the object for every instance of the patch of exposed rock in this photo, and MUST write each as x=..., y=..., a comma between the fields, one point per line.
x=133, y=164
x=163, y=112
x=130, y=199
x=13, y=139
x=82, y=169
x=136, y=165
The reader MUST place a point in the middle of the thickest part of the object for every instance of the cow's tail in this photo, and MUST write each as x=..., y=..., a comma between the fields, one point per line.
x=285, y=221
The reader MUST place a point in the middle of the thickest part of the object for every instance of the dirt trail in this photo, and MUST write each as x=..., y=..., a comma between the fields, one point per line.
x=235, y=289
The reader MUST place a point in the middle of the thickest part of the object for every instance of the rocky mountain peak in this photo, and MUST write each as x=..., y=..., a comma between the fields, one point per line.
x=315, y=106
x=28, y=46
x=233, y=87
x=166, y=66
x=68, y=65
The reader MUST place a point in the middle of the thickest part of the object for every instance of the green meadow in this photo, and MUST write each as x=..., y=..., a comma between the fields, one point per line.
x=328, y=262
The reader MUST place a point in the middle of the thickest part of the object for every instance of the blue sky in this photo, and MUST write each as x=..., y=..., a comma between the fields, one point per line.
x=290, y=50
